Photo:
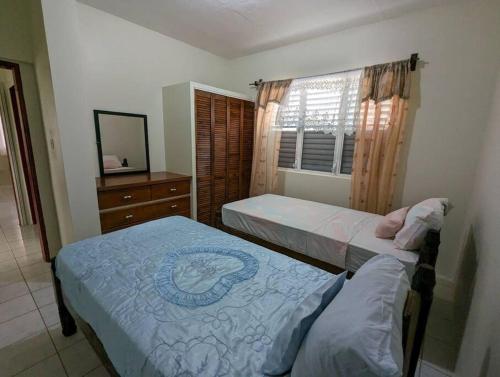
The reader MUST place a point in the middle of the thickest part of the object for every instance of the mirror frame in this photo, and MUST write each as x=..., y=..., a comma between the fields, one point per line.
x=99, y=147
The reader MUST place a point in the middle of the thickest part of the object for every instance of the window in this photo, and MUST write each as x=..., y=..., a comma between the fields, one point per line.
x=318, y=121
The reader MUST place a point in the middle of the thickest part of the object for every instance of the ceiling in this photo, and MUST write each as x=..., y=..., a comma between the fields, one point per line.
x=234, y=28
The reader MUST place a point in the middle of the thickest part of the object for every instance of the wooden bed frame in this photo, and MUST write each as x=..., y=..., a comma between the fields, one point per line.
x=418, y=303
x=415, y=315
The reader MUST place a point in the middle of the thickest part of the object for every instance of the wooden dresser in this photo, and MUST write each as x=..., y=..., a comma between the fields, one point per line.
x=127, y=200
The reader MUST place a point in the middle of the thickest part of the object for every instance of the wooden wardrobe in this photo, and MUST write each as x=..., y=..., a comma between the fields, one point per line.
x=209, y=136
x=224, y=147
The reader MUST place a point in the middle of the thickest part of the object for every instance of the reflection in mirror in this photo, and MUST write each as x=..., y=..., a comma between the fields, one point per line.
x=122, y=142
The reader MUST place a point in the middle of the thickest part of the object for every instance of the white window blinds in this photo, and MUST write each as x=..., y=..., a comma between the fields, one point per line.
x=318, y=119
x=325, y=103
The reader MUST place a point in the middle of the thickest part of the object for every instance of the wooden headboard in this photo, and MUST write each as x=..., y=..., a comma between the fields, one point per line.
x=419, y=301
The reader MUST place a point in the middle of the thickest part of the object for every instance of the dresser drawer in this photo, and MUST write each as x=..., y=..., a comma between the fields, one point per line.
x=123, y=217
x=172, y=207
x=168, y=190
x=117, y=198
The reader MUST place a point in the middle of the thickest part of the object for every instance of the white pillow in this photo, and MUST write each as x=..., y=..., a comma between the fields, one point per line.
x=361, y=332
x=111, y=161
x=422, y=217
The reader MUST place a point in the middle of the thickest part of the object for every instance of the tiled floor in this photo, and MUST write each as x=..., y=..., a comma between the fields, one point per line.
x=31, y=343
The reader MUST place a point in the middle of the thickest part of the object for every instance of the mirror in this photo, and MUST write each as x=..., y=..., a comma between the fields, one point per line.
x=122, y=142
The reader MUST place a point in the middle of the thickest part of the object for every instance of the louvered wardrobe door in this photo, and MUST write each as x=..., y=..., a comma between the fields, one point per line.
x=246, y=147
x=219, y=152
x=203, y=116
x=233, y=149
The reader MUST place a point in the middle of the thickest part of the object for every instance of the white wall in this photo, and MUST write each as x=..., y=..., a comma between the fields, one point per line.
x=460, y=47
x=126, y=66
x=480, y=352
x=16, y=44
x=52, y=136
x=68, y=81
x=15, y=30
x=37, y=135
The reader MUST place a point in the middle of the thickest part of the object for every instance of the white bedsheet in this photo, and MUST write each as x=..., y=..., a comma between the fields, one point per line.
x=336, y=235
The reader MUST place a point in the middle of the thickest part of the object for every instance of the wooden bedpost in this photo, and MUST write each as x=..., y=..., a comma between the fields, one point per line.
x=67, y=322
x=424, y=280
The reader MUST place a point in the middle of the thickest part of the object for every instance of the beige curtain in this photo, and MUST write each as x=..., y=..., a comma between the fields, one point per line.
x=267, y=137
x=379, y=136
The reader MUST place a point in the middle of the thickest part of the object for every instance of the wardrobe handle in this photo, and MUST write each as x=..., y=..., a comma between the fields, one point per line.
x=173, y=206
x=127, y=197
x=173, y=189
x=129, y=216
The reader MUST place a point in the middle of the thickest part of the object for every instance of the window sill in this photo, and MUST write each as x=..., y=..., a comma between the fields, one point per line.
x=316, y=173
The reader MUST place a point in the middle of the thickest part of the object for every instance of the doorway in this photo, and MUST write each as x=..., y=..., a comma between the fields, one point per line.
x=16, y=152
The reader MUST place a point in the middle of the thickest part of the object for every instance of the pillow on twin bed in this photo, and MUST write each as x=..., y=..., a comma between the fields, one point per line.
x=391, y=223
x=360, y=332
x=280, y=358
x=422, y=217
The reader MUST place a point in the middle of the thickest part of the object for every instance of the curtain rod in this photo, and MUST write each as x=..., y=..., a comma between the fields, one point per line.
x=413, y=65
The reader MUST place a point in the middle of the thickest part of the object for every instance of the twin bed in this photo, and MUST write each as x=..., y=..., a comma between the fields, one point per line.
x=337, y=236
x=173, y=296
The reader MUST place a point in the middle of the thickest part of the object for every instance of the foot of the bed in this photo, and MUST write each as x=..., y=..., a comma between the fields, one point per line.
x=67, y=321
x=68, y=326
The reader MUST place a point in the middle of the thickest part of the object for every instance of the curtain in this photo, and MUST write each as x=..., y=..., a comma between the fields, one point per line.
x=380, y=134
x=267, y=137
x=19, y=183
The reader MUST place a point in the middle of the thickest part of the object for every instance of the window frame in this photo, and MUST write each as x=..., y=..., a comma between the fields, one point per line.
x=338, y=150
x=337, y=154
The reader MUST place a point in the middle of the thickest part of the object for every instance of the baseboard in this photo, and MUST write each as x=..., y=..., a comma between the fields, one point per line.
x=445, y=288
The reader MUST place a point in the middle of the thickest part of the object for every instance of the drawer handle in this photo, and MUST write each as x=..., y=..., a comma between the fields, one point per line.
x=129, y=216
x=173, y=189
x=127, y=197
x=173, y=206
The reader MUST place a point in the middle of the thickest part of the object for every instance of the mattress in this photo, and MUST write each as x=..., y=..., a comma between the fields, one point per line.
x=175, y=297
x=339, y=236
x=364, y=245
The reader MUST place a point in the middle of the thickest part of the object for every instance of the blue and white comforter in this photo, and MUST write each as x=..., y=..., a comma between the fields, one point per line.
x=177, y=298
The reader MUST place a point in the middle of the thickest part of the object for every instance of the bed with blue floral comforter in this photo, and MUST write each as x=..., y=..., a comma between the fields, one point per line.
x=173, y=297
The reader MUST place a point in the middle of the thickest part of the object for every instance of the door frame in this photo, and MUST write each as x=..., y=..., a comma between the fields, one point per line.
x=28, y=160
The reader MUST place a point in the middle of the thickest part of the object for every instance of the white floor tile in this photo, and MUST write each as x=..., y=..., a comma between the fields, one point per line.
x=50, y=314
x=10, y=277
x=98, y=372
x=16, y=307
x=21, y=327
x=44, y=296
x=8, y=266
x=79, y=359
x=39, y=281
x=6, y=256
x=24, y=354
x=13, y=290
x=23, y=252
x=50, y=367
x=35, y=269
x=24, y=244
x=4, y=246
x=61, y=342
x=29, y=259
